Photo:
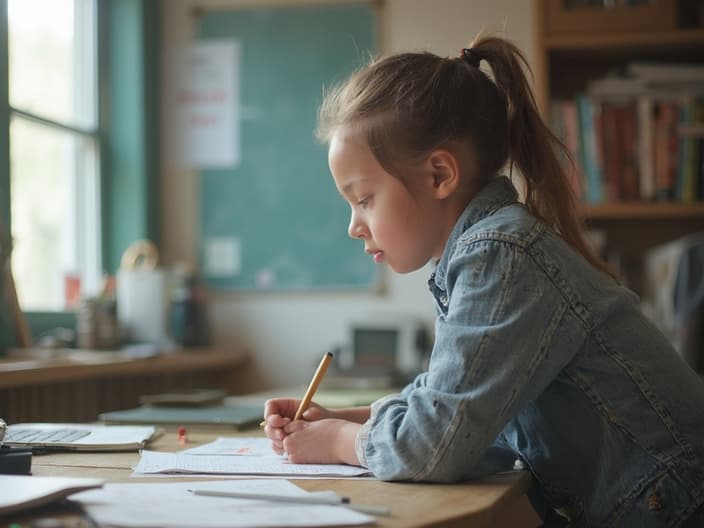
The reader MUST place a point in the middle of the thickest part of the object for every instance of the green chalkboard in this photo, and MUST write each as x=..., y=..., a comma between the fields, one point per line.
x=280, y=203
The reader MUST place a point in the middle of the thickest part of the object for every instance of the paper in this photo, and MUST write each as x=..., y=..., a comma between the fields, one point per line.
x=270, y=464
x=171, y=504
x=233, y=446
x=206, y=109
x=28, y=492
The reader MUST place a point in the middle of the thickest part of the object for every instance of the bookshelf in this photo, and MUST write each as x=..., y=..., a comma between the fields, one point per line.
x=578, y=43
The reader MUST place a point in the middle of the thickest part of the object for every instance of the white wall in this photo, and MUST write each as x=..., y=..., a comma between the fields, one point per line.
x=287, y=333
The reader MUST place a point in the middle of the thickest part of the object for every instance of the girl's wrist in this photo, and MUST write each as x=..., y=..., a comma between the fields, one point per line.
x=344, y=449
x=353, y=414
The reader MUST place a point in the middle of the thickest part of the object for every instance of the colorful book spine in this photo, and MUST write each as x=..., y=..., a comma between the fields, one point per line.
x=646, y=145
x=589, y=156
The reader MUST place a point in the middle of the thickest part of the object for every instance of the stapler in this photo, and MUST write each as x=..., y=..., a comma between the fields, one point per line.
x=13, y=460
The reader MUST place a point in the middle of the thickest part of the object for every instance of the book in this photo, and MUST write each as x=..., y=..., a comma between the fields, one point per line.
x=686, y=180
x=645, y=147
x=25, y=492
x=613, y=154
x=617, y=87
x=565, y=123
x=590, y=146
x=192, y=397
x=666, y=152
x=666, y=72
x=628, y=138
x=239, y=416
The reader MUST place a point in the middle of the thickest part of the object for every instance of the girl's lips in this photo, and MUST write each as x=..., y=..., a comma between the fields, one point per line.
x=377, y=254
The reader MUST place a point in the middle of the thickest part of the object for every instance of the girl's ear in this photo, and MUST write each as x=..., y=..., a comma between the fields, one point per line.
x=444, y=171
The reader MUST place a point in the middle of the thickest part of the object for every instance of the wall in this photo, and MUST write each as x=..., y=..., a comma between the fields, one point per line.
x=288, y=332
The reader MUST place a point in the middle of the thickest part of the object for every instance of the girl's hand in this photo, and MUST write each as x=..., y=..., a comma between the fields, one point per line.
x=279, y=412
x=326, y=441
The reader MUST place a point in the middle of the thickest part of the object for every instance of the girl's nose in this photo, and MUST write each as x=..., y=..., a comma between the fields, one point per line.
x=356, y=228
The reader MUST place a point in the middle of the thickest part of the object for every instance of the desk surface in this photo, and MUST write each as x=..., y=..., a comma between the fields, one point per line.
x=412, y=505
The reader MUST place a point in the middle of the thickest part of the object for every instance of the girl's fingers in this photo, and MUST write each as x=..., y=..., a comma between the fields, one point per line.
x=278, y=446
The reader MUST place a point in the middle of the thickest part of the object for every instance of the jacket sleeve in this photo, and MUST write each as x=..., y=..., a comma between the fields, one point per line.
x=495, y=348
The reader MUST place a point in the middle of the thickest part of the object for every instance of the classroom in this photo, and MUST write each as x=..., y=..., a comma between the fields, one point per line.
x=175, y=251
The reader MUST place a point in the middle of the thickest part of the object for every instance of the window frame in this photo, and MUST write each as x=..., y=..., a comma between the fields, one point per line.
x=128, y=40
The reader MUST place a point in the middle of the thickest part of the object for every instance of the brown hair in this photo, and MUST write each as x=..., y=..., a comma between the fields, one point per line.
x=409, y=104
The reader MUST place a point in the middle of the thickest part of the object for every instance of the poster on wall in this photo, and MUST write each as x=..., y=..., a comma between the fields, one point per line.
x=206, y=121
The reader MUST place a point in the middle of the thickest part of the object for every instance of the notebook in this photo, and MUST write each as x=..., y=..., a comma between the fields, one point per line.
x=79, y=437
x=20, y=493
x=239, y=416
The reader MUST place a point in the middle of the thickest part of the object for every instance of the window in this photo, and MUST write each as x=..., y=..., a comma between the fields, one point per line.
x=54, y=150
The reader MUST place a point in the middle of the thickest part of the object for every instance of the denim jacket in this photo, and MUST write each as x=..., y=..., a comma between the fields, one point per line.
x=540, y=357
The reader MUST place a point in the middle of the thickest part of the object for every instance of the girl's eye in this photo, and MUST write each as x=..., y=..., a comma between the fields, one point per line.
x=364, y=202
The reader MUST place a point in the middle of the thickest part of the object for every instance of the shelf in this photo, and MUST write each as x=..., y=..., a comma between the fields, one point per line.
x=580, y=44
x=651, y=40
x=642, y=211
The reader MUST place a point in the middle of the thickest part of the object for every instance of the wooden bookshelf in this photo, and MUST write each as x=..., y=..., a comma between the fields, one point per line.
x=643, y=211
x=656, y=40
x=579, y=44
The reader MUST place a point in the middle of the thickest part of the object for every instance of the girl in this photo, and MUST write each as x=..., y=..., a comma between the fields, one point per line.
x=540, y=354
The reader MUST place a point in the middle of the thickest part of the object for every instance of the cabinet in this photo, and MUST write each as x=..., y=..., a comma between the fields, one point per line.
x=578, y=42
x=60, y=385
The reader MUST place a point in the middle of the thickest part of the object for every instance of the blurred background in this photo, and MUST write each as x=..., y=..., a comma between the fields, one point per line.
x=161, y=182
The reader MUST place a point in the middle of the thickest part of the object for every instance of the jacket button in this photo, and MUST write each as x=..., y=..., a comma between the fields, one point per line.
x=654, y=502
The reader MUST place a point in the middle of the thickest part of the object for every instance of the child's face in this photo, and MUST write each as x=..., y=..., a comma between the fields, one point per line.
x=397, y=227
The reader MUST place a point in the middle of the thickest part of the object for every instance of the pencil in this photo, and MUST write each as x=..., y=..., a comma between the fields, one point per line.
x=301, y=499
x=317, y=378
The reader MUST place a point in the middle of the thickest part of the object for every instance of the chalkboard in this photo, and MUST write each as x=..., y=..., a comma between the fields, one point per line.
x=280, y=203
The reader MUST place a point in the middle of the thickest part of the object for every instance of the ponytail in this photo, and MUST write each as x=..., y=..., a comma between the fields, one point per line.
x=534, y=149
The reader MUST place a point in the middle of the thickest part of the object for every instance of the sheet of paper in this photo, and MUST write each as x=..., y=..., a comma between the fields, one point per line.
x=25, y=492
x=271, y=464
x=154, y=504
x=233, y=446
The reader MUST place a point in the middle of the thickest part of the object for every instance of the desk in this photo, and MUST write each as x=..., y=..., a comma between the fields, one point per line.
x=77, y=385
x=474, y=504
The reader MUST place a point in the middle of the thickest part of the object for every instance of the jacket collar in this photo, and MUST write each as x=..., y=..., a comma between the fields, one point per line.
x=498, y=193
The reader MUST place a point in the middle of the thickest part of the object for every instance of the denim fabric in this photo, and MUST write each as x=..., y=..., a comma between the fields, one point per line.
x=539, y=356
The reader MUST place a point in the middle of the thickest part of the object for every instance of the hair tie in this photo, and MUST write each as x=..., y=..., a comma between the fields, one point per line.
x=471, y=56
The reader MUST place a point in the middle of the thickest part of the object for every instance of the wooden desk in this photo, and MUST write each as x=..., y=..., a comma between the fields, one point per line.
x=476, y=504
x=77, y=385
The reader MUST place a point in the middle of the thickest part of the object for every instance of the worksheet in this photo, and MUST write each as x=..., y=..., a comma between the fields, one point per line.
x=152, y=462
x=136, y=505
x=254, y=446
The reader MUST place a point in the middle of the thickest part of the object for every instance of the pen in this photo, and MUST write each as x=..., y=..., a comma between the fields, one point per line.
x=317, y=378
x=300, y=499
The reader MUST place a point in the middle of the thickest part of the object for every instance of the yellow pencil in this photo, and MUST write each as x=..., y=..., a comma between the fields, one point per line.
x=317, y=378
x=314, y=383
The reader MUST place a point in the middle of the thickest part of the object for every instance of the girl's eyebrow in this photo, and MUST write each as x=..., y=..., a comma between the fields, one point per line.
x=348, y=186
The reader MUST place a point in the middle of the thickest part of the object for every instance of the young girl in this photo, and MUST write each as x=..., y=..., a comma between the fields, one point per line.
x=540, y=354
